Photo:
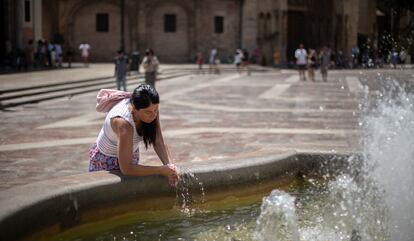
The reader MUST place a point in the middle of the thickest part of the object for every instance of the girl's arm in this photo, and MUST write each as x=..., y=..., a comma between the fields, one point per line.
x=163, y=153
x=125, y=135
x=159, y=146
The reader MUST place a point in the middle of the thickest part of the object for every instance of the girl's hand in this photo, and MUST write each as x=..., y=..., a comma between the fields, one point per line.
x=169, y=170
x=173, y=178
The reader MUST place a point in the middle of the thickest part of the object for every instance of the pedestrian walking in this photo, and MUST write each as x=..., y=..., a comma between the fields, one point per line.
x=245, y=63
x=277, y=58
x=130, y=120
x=340, y=61
x=29, y=52
x=213, y=61
x=69, y=55
x=150, y=64
x=238, y=59
x=355, y=56
x=403, y=57
x=301, y=55
x=85, y=49
x=200, y=62
x=52, y=53
x=59, y=55
x=121, y=70
x=49, y=49
x=325, y=60
x=394, y=58
x=312, y=62
x=40, y=55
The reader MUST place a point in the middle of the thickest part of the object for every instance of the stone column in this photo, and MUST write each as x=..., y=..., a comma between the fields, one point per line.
x=19, y=24
x=132, y=13
x=37, y=19
x=351, y=10
x=192, y=28
x=143, y=31
x=249, y=25
x=283, y=34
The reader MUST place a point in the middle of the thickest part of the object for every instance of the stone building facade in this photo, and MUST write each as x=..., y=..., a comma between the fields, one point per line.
x=178, y=29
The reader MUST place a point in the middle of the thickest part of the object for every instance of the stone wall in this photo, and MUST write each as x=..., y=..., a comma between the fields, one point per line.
x=144, y=27
x=206, y=38
x=255, y=24
x=271, y=30
x=79, y=25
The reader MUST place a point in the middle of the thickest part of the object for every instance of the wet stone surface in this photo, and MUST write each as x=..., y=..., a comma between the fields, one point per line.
x=204, y=118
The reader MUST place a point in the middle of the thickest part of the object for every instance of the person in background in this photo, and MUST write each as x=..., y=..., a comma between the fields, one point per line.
x=301, y=55
x=29, y=52
x=59, y=55
x=245, y=61
x=121, y=69
x=403, y=57
x=325, y=61
x=131, y=119
x=355, y=56
x=48, y=53
x=277, y=58
x=237, y=59
x=394, y=58
x=213, y=62
x=312, y=61
x=340, y=60
x=200, y=62
x=69, y=55
x=150, y=64
x=52, y=54
x=85, y=49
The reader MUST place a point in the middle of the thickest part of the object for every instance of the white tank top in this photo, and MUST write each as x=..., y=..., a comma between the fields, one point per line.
x=107, y=141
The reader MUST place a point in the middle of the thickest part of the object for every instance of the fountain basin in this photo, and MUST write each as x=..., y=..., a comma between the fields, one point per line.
x=58, y=204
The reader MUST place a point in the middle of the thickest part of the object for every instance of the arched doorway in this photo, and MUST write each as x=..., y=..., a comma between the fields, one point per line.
x=98, y=24
x=169, y=32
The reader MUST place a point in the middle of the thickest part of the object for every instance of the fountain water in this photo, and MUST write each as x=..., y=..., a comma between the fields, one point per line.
x=373, y=201
x=277, y=220
x=186, y=189
x=389, y=154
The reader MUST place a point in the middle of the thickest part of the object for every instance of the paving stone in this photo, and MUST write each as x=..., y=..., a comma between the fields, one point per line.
x=204, y=118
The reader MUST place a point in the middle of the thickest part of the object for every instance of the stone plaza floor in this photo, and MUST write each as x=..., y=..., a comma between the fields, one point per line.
x=204, y=118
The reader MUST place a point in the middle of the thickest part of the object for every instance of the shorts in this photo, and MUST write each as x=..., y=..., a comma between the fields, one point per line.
x=99, y=161
x=301, y=66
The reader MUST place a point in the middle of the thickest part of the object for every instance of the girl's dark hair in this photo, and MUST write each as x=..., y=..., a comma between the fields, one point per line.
x=142, y=97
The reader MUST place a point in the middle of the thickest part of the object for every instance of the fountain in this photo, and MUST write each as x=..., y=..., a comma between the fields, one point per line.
x=375, y=203
x=294, y=196
x=389, y=153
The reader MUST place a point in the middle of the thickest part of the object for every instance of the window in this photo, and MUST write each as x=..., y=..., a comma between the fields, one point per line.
x=218, y=24
x=102, y=22
x=170, y=25
x=27, y=11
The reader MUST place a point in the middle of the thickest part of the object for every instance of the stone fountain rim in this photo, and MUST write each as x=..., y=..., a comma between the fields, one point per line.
x=87, y=189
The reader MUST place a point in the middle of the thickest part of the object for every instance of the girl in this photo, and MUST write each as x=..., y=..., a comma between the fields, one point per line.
x=127, y=123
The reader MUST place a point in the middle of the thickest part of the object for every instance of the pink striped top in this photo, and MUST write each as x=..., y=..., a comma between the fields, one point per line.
x=107, y=141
